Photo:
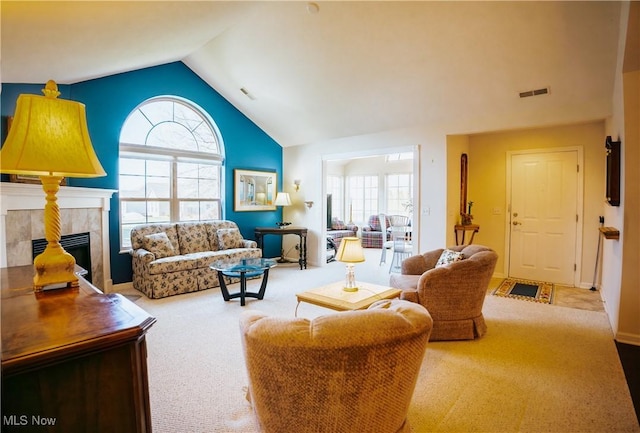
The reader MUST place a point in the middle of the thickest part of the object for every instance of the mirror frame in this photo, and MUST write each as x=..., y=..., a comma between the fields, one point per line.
x=245, y=198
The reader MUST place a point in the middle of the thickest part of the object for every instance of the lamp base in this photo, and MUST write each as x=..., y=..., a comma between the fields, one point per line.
x=350, y=279
x=54, y=266
x=54, y=269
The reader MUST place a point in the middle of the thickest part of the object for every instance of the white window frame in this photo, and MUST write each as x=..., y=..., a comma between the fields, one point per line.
x=174, y=156
x=363, y=201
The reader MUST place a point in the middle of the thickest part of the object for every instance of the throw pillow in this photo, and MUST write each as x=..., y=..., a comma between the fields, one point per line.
x=230, y=238
x=337, y=224
x=449, y=256
x=159, y=245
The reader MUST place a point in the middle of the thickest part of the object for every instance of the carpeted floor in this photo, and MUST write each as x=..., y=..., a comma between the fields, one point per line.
x=540, y=368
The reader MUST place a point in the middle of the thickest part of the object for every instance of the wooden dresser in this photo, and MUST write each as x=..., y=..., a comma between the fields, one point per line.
x=73, y=360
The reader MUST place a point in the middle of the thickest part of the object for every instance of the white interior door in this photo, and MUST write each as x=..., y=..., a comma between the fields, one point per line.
x=543, y=216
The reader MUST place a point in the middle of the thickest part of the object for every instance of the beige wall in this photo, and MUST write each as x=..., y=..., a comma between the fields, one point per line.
x=438, y=169
x=620, y=261
x=487, y=186
x=629, y=311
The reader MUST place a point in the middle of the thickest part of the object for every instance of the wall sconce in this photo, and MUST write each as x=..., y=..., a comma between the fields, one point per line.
x=309, y=204
x=297, y=184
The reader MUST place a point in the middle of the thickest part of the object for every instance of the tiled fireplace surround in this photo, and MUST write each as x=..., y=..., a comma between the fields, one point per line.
x=81, y=210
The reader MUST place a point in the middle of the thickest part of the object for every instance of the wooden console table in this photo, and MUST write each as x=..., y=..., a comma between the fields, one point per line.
x=73, y=358
x=300, y=231
x=463, y=229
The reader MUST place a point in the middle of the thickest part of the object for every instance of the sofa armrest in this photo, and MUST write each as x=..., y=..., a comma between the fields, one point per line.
x=248, y=243
x=421, y=263
x=414, y=265
x=431, y=258
x=143, y=255
x=410, y=295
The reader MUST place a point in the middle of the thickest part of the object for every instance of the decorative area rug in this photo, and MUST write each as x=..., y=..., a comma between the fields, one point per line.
x=526, y=290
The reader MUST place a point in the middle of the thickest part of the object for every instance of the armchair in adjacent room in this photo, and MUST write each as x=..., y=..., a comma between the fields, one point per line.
x=348, y=372
x=374, y=235
x=452, y=286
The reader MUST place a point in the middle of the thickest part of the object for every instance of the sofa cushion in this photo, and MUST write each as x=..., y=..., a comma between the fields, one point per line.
x=179, y=263
x=337, y=224
x=449, y=256
x=193, y=237
x=230, y=238
x=212, y=231
x=139, y=232
x=374, y=223
x=159, y=245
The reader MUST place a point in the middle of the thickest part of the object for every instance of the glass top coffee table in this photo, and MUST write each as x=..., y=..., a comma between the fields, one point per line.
x=243, y=269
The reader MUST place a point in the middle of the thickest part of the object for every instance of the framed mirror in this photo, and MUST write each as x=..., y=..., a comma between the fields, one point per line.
x=254, y=190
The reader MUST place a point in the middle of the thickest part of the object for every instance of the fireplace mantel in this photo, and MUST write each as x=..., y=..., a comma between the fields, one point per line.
x=31, y=197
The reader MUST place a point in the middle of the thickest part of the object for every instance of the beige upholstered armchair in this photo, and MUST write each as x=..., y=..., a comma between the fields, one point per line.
x=344, y=372
x=453, y=293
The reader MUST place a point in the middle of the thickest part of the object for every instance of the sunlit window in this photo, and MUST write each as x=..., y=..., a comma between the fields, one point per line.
x=363, y=198
x=170, y=166
x=399, y=194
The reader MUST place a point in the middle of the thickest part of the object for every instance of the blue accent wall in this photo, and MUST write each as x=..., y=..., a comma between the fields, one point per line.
x=111, y=99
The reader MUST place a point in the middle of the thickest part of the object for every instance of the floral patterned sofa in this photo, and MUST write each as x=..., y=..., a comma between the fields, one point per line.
x=174, y=258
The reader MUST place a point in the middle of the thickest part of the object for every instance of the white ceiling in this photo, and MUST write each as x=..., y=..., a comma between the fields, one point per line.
x=352, y=68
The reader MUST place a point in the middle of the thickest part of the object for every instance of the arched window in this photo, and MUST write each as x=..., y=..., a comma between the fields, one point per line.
x=171, y=155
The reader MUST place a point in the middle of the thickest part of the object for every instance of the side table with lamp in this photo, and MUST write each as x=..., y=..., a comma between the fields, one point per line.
x=60, y=333
x=348, y=294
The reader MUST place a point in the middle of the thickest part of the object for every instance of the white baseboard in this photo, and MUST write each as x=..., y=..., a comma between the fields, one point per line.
x=627, y=338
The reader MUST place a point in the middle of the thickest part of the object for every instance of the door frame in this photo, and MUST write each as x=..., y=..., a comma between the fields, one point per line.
x=579, y=205
x=415, y=221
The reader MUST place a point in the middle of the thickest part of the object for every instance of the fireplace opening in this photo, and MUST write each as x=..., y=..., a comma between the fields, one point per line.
x=78, y=245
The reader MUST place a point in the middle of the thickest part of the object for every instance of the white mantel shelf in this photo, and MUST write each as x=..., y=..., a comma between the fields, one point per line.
x=25, y=196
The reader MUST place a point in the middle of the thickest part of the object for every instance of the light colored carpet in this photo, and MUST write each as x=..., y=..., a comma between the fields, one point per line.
x=540, y=368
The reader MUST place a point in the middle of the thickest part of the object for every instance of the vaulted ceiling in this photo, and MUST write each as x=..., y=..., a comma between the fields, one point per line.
x=318, y=71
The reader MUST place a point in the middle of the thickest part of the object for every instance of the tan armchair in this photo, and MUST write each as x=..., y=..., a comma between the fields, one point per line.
x=453, y=294
x=344, y=372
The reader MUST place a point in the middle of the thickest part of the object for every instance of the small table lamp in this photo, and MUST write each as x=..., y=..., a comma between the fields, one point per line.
x=350, y=251
x=49, y=138
x=282, y=199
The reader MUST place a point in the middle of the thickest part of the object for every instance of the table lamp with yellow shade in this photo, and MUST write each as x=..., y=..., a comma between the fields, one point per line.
x=49, y=138
x=350, y=251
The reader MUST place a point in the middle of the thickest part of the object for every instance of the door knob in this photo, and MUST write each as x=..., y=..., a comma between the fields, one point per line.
x=517, y=223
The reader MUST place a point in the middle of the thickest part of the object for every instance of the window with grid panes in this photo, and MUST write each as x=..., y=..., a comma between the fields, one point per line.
x=363, y=198
x=170, y=165
x=399, y=194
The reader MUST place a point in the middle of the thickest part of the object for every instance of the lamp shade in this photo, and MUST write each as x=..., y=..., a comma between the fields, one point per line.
x=350, y=251
x=49, y=137
x=283, y=199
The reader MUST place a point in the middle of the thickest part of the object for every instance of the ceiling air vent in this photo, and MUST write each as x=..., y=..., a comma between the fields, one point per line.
x=247, y=94
x=536, y=92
